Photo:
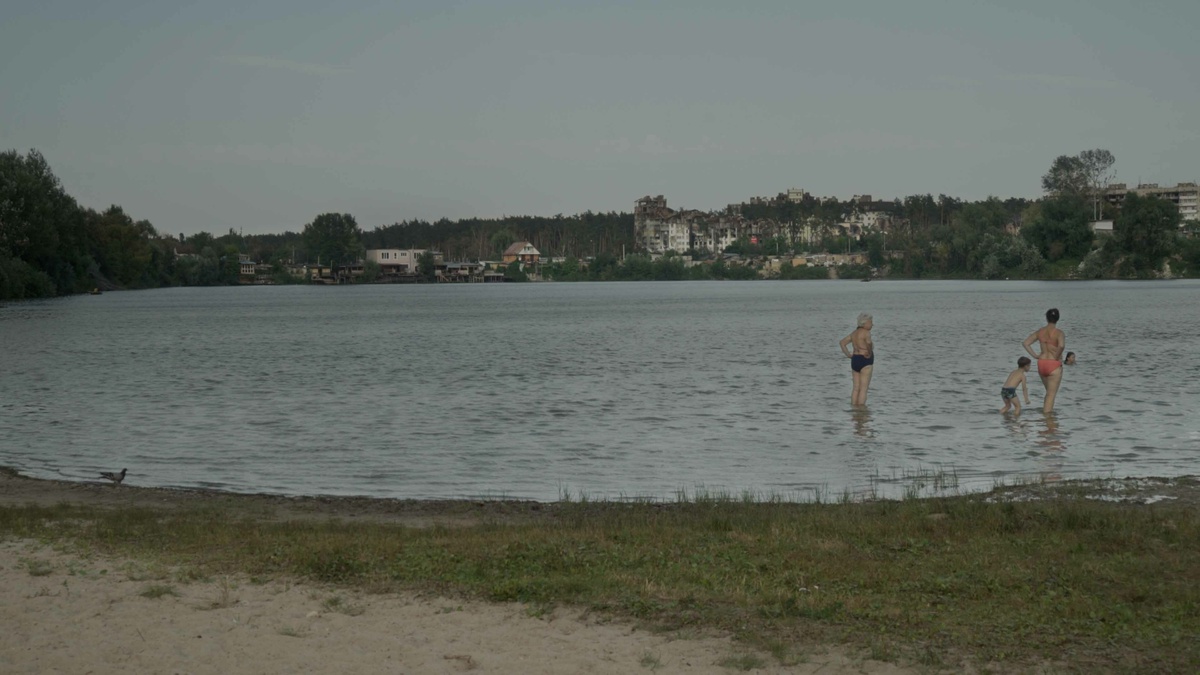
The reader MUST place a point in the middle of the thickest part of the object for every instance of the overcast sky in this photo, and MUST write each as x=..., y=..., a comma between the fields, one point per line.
x=261, y=115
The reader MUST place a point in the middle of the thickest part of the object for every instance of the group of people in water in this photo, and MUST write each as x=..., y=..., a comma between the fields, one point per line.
x=1051, y=341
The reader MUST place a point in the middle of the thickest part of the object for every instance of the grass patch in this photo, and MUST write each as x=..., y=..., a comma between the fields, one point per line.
x=290, y=631
x=37, y=568
x=226, y=594
x=744, y=662
x=156, y=591
x=946, y=582
x=340, y=605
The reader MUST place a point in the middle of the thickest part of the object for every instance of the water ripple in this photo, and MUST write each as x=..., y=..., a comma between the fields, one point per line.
x=607, y=389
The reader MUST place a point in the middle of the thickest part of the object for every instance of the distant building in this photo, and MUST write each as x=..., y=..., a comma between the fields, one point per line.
x=245, y=267
x=659, y=229
x=1102, y=226
x=523, y=252
x=395, y=260
x=1184, y=195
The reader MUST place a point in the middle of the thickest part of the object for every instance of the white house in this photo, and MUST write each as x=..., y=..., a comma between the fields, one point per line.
x=395, y=260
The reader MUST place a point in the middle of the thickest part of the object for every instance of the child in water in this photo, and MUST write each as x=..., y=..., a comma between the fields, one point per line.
x=1009, y=391
x=1069, y=360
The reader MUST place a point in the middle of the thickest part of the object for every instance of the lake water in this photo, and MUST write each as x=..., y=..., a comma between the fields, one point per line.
x=616, y=390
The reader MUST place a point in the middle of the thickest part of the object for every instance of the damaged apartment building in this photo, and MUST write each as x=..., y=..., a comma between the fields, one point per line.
x=659, y=229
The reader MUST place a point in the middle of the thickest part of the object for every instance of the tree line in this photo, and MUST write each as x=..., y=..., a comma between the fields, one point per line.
x=50, y=245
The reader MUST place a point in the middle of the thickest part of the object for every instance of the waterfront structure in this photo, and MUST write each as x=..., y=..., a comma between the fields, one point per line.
x=395, y=260
x=461, y=272
x=1184, y=195
x=245, y=267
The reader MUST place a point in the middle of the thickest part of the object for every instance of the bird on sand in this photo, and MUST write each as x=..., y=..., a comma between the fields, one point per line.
x=116, y=478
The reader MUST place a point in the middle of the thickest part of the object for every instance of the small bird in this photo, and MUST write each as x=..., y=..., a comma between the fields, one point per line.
x=116, y=478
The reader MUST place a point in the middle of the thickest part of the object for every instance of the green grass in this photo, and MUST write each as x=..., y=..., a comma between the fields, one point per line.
x=156, y=591
x=1079, y=584
x=37, y=568
x=651, y=661
x=340, y=605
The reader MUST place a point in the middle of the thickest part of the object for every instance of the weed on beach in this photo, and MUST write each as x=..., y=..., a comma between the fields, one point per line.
x=156, y=591
x=1071, y=584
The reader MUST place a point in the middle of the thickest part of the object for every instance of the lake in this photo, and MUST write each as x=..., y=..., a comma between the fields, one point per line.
x=604, y=390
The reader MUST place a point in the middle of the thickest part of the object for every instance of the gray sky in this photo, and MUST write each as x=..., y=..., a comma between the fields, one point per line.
x=260, y=115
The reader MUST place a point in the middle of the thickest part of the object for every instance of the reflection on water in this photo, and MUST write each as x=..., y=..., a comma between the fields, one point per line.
x=861, y=417
x=1054, y=448
x=613, y=390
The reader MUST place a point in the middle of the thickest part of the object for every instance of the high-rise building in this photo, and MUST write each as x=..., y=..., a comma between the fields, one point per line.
x=1184, y=195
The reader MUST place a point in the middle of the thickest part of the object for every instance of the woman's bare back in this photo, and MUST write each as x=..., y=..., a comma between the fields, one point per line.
x=1050, y=343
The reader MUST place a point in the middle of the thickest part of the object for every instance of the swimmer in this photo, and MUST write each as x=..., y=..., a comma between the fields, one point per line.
x=1051, y=343
x=862, y=359
x=1008, y=392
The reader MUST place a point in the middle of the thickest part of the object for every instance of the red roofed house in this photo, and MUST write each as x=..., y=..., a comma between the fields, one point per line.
x=522, y=251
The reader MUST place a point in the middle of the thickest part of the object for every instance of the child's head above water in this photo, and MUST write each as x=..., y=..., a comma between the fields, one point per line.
x=1070, y=359
x=1023, y=362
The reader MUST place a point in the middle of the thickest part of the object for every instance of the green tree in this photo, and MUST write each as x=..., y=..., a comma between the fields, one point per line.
x=569, y=270
x=370, y=273
x=427, y=266
x=1086, y=174
x=502, y=239
x=669, y=268
x=1190, y=256
x=603, y=267
x=1097, y=170
x=42, y=226
x=514, y=272
x=1067, y=176
x=1004, y=256
x=718, y=269
x=200, y=241
x=123, y=249
x=334, y=239
x=1146, y=230
x=1058, y=227
x=741, y=272
x=698, y=273
x=876, y=256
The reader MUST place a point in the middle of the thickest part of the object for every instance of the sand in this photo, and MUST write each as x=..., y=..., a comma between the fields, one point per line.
x=65, y=612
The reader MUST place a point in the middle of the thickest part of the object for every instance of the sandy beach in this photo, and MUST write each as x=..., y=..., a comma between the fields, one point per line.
x=72, y=612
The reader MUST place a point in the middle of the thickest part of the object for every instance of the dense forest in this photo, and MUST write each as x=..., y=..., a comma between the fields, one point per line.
x=50, y=245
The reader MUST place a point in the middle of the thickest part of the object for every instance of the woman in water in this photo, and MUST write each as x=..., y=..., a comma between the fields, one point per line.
x=1051, y=344
x=862, y=359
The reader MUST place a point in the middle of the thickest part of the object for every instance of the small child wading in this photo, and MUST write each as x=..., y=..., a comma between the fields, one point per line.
x=1009, y=391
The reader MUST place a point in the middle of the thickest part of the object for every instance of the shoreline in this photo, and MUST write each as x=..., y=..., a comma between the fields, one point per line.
x=71, y=609
x=1011, y=578
x=17, y=489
